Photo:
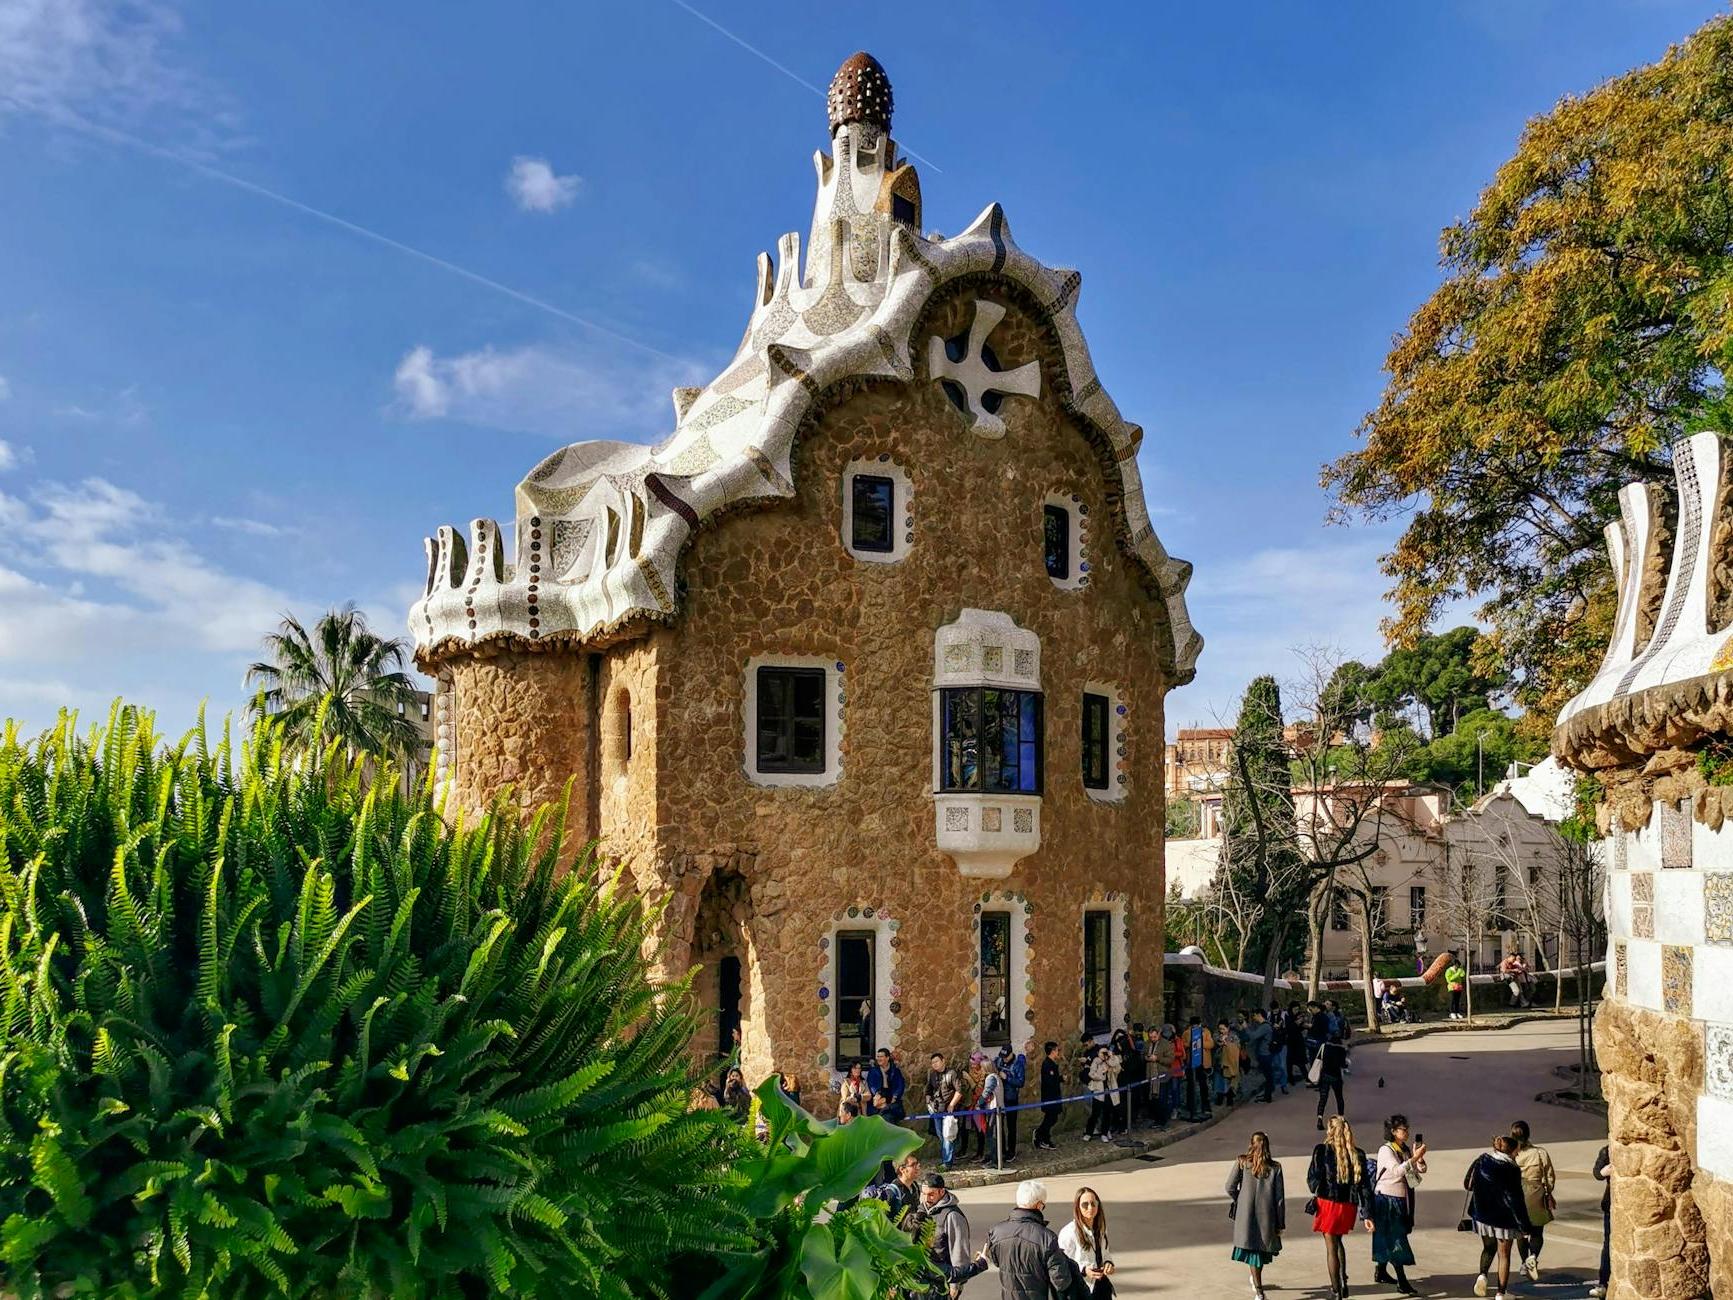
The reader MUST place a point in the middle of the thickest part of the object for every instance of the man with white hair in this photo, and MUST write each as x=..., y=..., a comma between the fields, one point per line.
x=1026, y=1252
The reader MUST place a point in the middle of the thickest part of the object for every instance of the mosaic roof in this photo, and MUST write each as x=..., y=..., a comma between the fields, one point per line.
x=601, y=525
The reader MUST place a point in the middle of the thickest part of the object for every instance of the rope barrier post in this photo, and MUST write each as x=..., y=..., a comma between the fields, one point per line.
x=999, y=1136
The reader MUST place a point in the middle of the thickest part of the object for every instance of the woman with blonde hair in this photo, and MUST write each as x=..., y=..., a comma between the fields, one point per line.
x=1341, y=1193
x=1084, y=1241
x=1259, y=1209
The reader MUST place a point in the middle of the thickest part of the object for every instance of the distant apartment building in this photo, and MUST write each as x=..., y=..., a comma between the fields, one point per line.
x=1197, y=773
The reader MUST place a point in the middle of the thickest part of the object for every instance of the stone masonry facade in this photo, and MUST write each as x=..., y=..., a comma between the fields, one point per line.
x=618, y=653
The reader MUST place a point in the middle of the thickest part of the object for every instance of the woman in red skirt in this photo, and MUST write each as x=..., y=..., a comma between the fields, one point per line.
x=1341, y=1193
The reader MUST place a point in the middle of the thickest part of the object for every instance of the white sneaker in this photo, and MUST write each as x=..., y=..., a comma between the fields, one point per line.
x=1597, y=1292
x=1531, y=1266
x=1480, y=1285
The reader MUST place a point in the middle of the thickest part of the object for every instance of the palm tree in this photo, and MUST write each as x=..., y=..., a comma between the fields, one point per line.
x=353, y=675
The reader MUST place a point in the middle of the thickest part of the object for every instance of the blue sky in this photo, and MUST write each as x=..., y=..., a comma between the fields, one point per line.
x=216, y=406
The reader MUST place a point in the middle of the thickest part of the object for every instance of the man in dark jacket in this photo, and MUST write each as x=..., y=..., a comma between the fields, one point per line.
x=1026, y=1252
x=949, y=1253
x=899, y=1192
x=1013, y=1067
x=885, y=1087
x=1134, y=1070
x=1052, y=1089
x=1258, y=1040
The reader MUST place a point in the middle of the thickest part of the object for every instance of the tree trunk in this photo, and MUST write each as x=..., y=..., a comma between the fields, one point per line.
x=1315, y=910
x=1372, y=1026
x=1272, y=962
x=1468, y=979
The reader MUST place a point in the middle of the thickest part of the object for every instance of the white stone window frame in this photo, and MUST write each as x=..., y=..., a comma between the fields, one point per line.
x=903, y=534
x=834, y=673
x=1020, y=1010
x=1074, y=506
x=1118, y=774
x=885, y=987
x=1118, y=965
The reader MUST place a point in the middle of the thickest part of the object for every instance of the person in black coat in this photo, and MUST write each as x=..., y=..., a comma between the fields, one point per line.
x=1026, y=1252
x=1604, y=1172
x=1496, y=1209
x=1052, y=1089
x=1342, y=1192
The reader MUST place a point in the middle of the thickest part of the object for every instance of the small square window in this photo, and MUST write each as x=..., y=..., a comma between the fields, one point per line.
x=873, y=500
x=1056, y=542
x=1095, y=740
x=790, y=722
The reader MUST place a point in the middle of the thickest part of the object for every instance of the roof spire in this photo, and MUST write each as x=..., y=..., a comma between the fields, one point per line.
x=860, y=92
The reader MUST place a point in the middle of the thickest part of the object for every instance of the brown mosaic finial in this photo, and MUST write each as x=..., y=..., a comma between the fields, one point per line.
x=860, y=92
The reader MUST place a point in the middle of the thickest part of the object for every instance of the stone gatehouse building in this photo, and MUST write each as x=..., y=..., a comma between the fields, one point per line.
x=1656, y=727
x=861, y=670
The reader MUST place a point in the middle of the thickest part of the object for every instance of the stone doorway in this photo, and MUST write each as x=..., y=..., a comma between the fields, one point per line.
x=728, y=985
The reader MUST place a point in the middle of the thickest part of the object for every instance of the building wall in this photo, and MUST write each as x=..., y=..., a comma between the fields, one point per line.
x=861, y=851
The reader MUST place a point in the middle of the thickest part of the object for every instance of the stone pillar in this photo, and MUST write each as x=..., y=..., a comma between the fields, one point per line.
x=524, y=721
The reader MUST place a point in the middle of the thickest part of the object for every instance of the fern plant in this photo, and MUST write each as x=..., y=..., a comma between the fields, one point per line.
x=269, y=1029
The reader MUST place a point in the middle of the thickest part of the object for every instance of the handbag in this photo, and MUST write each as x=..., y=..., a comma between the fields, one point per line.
x=1316, y=1072
x=1466, y=1223
x=1311, y=1205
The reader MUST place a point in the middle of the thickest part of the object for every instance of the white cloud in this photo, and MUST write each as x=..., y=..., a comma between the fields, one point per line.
x=106, y=63
x=251, y=527
x=604, y=391
x=535, y=187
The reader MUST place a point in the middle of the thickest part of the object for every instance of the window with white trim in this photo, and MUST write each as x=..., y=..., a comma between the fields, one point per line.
x=1064, y=534
x=877, y=516
x=793, y=721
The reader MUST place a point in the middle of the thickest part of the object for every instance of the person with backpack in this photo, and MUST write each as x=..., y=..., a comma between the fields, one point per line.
x=1199, y=1050
x=1013, y=1070
x=1495, y=1210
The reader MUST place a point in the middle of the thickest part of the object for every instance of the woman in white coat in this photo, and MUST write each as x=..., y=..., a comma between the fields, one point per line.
x=1084, y=1241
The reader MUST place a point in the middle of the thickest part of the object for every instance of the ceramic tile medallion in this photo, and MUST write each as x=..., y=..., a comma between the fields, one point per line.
x=1718, y=907
x=1676, y=834
x=1718, y=1062
x=1621, y=970
x=1676, y=980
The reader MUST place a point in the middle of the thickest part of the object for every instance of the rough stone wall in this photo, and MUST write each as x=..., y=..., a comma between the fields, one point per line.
x=779, y=581
x=524, y=720
x=1669, y=1217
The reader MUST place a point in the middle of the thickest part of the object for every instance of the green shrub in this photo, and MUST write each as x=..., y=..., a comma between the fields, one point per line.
x=269, y=1030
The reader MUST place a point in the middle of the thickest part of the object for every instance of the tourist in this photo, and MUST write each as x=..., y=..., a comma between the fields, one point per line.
x=944, y=1095
x=788, y=1085
x=853, y=1087
x=1259, y=1209
x=1084, y=1241
x=1456, y=983
x=885, y=1087
x=1052, y=1092
x=1163, y=1052
x=1539, y=1181
x=1400, y=1167
x=988, y=1106
x=1103, y=1076
x=1317, y=1032
x=1013, y=1068
x=1514, y=970
x=1259, y=1037
x=847, y=1113
x=1295, y=1062
x=1332, y=1066
x=1604, y=1172
x=948, y=1252
x=1026, y=1251
x=1199, y=1049
x=736, y=1096
x=1227, y=1071
x=898, y=1192
x=1495, y=1209
x=1132, y=1075
x=1341, y=1194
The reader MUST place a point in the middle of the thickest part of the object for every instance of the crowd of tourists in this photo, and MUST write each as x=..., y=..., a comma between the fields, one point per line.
x=1509, y=1202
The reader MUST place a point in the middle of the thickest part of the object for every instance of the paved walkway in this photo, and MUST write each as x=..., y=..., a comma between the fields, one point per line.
x=1168, y=1218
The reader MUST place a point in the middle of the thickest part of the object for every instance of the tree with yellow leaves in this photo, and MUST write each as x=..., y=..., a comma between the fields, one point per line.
x=1585, y=321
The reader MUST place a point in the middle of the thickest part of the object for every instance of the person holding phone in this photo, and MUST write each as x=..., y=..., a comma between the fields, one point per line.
x=1400, y=1167
x=1084, y=1241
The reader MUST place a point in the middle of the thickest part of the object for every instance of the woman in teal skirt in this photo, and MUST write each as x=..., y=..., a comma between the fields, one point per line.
x=1400, y=1166
x=1258, y=1209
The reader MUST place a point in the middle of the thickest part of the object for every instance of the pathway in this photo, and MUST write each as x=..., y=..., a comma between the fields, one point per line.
x=1168, y=1213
